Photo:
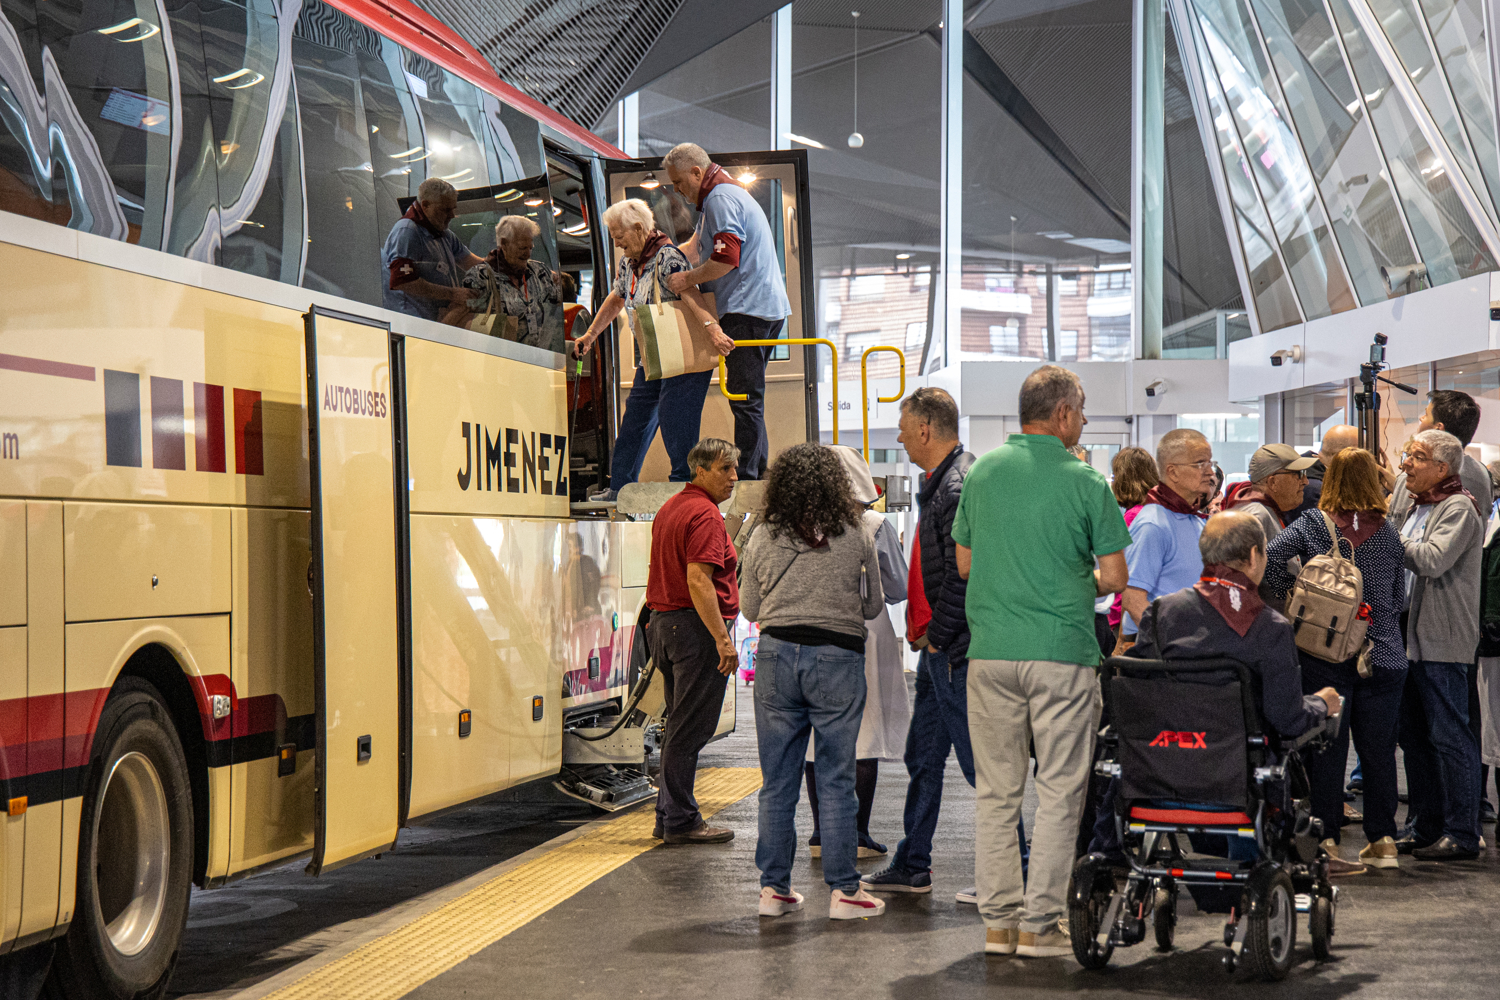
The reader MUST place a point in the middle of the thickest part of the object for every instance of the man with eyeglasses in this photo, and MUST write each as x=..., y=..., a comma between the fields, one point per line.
x=1163, y=554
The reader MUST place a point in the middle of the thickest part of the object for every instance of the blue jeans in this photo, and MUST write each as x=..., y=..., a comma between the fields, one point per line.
x=1372, y=709
x=801, y=691
x=676, y=404
x=1442, y=760
x=939, y=723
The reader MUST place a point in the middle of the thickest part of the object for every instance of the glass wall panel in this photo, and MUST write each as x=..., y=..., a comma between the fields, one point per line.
x=1339, y=147
x=1405, y=30
x=720, y=99
x=1280, y=171
x=1275, y=304
x=1458, y=34
x=1446, y=238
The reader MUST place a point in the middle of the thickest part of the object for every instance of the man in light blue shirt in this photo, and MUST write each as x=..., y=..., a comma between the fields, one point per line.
x=1163, y=556
x=423, y=261
x=734, y=257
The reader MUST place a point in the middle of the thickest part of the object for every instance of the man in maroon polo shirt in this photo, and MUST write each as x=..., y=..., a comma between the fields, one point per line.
x=694, y=599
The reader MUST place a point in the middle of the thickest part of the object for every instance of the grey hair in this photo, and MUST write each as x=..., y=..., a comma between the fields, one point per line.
x=934, y=407
x=507, y=226
x=685, y=156
x=1231, y=537
x=1445, y=448
x=1174, y=444
x=1044, y=389
x=434, y=189
x=708, y=452
x=630, y=212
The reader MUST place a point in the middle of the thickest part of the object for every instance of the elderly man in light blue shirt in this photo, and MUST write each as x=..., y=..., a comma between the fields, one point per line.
x=1163, y=556
x=735, y=258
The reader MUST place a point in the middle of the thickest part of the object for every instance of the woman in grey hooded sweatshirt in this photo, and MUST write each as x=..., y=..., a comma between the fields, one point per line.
x=810, y=578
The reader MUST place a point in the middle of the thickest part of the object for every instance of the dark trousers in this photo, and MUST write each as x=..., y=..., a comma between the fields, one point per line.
x=676, y=405
x=685, y=654
x=939, y=723
x=746, y=368
x=1442, y=759
x=1372, y=710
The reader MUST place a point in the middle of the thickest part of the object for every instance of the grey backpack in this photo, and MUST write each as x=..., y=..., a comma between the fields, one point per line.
x=1326, y=605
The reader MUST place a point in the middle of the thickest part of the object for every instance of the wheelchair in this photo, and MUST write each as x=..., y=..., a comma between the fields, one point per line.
x=1195, y=762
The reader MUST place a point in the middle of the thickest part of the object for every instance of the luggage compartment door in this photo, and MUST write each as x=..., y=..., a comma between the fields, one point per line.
x=358, y=580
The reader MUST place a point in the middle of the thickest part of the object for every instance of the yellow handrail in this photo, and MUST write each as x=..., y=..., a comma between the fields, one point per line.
x=724, y=375
x=864, y=389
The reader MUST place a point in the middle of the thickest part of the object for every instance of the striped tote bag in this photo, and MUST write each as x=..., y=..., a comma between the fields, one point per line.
x=673, y=342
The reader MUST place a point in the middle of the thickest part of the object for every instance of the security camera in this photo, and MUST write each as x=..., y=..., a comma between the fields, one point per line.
x=1157, y=387
x=1402, y=279
x=1294, y=353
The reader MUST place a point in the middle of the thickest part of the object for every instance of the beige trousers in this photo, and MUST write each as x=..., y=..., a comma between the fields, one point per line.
x=1012, y=704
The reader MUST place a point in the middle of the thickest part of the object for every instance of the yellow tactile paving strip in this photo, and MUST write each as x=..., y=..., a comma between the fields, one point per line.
x=397, y=963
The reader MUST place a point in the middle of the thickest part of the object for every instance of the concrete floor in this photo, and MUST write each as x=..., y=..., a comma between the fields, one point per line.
x=681, y=921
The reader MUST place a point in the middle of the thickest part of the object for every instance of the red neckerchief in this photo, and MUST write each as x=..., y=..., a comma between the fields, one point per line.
x=501, y=266
x=655, y=240
x=1445, y=489
x=1232, y=595
x=1163, y=495
x=712, y=178
x=1357, y=525
x=1241, y=494
x=418, y=216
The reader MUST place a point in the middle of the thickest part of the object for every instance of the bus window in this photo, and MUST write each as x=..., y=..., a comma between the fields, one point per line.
x=453, y=148
x=259, y=159
x=395, y=126
x=343, y=249
x=588, y=393
x=113, y=178
x=514, y=141
x=25, y=171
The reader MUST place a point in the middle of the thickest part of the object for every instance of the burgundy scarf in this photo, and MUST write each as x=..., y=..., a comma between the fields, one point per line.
x=655, y=240
x=1231, y=594
x=1241, y=494
x=1445, y=489
x=418, y=216
x=1163, y=494
x=712, y=178
x=1357, y=525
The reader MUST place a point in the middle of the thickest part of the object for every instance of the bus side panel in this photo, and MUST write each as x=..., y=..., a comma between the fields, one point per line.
x=12, y=766
x=273, y=683
x=48, y=781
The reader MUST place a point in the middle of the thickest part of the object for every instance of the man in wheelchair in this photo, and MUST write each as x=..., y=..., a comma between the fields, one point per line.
x=1207, y=716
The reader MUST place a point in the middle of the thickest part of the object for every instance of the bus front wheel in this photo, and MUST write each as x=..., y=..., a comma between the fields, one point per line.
x=135, y=855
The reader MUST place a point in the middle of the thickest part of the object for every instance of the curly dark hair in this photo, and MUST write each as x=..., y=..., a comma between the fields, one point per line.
x=809, y=493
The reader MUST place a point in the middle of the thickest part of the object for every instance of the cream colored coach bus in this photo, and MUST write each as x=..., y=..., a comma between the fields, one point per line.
x=281, y=569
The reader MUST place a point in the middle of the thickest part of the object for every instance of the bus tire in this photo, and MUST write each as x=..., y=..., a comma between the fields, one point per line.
x=135, y=855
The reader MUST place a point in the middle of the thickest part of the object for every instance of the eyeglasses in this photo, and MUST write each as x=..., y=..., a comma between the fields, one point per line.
x=1202, y=466
x=1416, y=457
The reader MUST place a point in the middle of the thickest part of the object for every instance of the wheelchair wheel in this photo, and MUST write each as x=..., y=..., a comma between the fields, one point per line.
x=1273, y=927
x=1089, y=894
x=1164, y=918
x=1320, y=927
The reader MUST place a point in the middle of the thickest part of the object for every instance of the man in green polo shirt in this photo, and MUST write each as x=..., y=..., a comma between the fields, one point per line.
x=1031, y=522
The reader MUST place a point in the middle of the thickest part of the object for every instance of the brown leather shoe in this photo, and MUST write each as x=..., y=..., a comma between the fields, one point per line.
x=702, y=834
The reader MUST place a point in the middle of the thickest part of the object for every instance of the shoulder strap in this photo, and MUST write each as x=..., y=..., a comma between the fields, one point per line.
x=1333, y=533
x=656, y=280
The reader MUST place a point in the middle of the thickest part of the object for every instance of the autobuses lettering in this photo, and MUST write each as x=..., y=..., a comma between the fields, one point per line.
x=491, y=460
x=358, y=402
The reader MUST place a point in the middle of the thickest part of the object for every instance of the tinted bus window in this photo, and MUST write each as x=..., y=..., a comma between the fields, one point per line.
x=25, y=169
x=113, y=166
x=343, y=250
x=192, y=230
x=395, y=125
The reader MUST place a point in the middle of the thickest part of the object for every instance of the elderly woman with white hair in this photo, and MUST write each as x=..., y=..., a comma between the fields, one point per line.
x=527, y=288
x=1441, y=536
x=675, y=404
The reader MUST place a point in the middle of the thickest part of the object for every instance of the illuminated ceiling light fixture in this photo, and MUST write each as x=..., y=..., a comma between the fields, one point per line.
x=148, y=30
x=651, y=183
x=509, y=194
x=248, y=78
x=855, y=139
x=580, y=229
x=556, y=211
x=411, y=153
x=534, y=201
x=903, y=256
x=794, y=137
x=465, y=172
x=747, y=177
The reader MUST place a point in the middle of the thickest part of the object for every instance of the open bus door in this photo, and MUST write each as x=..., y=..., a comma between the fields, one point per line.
x=359, y=585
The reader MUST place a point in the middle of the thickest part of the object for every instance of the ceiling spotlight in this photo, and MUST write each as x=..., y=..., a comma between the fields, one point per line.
x=856, y=140
x=746, y=177
x=903, y=256
x=534, y=201
x=651, y=183
x=556, y=211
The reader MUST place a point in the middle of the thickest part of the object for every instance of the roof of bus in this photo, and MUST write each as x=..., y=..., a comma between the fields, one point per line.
x=424, y=34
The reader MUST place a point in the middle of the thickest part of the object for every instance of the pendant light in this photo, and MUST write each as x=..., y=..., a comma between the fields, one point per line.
x=855, y=139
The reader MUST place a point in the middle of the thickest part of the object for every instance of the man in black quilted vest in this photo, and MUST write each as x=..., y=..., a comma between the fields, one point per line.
x=940, y=719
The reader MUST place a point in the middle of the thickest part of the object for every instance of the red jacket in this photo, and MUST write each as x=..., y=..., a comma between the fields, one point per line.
x=918, y=613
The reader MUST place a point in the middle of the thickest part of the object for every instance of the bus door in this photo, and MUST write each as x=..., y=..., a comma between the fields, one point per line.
x=779, y=182
x=359, y=584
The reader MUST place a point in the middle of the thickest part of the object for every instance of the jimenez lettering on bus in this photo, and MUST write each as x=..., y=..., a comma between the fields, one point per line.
x=358, y=402
x=489, y=462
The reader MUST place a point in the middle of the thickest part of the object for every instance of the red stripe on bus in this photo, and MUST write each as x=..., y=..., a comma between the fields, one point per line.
x=249, y=459
x=39, y=366
x=208, y=426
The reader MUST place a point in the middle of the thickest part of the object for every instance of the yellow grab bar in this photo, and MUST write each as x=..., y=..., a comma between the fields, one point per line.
x=864, y=389
x=724, y=375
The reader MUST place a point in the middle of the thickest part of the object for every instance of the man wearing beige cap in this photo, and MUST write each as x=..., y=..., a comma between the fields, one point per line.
x=1277, y=475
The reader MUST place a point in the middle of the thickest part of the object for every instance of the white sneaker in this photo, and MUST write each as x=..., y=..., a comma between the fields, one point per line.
x=969, y=895
x=774, y=904
x=854, y=905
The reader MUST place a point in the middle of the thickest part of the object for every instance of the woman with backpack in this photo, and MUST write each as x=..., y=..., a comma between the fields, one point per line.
x=1370, y=682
